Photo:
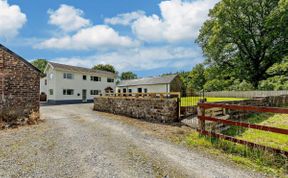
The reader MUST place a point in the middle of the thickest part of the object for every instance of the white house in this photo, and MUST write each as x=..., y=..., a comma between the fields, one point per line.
x=71, y=84
x=168, y=83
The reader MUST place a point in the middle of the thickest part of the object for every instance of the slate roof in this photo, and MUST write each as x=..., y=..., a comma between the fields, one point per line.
x=148, y=81
x=19, y=57
x=78, y=69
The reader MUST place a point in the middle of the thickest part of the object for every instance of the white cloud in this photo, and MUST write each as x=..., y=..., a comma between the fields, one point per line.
x=179, y=21
x=11, y=19
x=98, y=36
x=141, y=58
x=68, y=18
x=125, y=18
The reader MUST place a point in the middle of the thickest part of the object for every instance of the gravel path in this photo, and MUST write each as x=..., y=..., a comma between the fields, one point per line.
x=75, y=141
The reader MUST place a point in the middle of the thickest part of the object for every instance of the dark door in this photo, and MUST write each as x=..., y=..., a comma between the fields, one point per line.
x=84, y=96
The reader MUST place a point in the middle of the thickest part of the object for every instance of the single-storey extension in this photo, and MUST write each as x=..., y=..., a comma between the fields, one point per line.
x=19, y=84
x=167, y=83
x=70, y=84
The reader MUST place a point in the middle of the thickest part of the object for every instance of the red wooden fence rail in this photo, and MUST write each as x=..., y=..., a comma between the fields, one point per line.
x=202, y=118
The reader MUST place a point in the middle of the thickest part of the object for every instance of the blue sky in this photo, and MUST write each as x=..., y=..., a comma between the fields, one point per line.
x=146, y=37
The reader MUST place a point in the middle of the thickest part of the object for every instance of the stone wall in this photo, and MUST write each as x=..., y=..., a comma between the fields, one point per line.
x=19, y=84
x=151, y=109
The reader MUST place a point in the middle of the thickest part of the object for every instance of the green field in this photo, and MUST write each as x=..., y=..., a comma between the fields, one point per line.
x=192, y=101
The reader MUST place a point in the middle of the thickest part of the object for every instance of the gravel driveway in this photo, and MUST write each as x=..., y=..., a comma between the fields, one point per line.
x=75, y=141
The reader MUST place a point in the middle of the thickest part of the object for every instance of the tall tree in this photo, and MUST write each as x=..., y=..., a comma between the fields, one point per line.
x=105, y=67
x=40, y=64
x=128, y=76
x=197, y=77
x=246, y=36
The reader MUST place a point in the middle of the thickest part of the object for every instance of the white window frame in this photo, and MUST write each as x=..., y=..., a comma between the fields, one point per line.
x=95, y=92
x=66, y=93
x=110, y=80
x=68, y=76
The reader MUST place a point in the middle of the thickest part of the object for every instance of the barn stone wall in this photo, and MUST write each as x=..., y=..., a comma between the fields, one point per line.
x=19, y=84
x=151, y=109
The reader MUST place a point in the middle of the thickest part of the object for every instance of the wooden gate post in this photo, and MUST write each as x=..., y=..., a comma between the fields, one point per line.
x=201, y=112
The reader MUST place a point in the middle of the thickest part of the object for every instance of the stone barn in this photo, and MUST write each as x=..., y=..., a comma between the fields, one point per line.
x=19, y=84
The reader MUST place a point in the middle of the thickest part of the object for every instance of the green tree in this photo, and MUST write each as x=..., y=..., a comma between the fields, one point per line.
x=246, y=37
x=197, y=77
x=278, y=79
x=40, y=64
x=128, y=76
x=105, y=67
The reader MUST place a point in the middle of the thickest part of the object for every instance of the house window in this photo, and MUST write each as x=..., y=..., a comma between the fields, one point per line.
x=84, y=77
x=145, y=90
x=50, y=91
x=68, y=76
x=95, y=92
x=110, y=80
x=119, y=91
x=45, y=81
x=130, y=90
x=95, y=79
x=124, y=90
x=139, y=90
x=68, y=92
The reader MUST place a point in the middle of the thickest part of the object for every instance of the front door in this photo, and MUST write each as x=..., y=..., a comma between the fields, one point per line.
x=84, y=96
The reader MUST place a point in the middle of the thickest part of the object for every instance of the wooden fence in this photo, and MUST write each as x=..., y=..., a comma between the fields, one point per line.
x=202, y=118
x=245, y=94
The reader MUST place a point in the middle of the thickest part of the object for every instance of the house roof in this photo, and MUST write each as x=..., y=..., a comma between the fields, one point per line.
x=78, y=69
x=19, y=57
x=148, y=81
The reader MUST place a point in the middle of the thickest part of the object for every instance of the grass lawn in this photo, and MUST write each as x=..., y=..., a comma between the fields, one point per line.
x=192, y=101
x=270, y=139
x=263, y=161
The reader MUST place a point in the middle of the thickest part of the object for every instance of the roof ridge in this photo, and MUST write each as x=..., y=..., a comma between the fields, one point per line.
x=79, y=67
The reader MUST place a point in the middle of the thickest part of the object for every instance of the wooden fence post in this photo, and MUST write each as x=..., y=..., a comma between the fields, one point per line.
x=201, y=112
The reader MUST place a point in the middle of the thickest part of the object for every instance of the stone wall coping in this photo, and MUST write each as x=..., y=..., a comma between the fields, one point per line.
x=134, y=98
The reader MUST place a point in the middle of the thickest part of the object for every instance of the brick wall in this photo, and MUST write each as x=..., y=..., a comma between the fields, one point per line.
x=151, y=109
x=19, y=84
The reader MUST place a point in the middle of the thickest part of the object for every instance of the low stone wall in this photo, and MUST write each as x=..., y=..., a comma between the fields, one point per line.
x=151, y=109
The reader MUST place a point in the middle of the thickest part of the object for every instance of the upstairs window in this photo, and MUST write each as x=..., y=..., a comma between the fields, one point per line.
x=130, y=90
x=45, y=81
x=95, y=79
x=68, y=76
x=145, y=90
x=110, y=80
x=68, y=92
x=84, y=77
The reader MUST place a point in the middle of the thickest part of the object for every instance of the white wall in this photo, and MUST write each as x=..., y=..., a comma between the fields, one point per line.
x=58, y=83
x=157, y=88
x=43, y=87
